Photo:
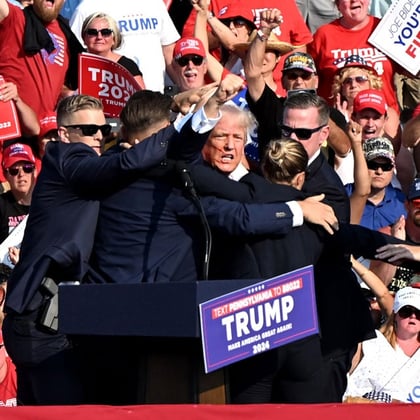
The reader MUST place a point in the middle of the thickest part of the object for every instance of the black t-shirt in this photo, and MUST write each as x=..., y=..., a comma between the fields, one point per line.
x=11, y=214
x=130, y=65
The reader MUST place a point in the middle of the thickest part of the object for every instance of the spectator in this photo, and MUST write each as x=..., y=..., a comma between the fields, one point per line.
x=8, y=383
x=411, y=136
x=346, y=36
x=39, y=65
x=370, y=111
x=293, y=28
x=385, y=204
x=389, y=369
x=148, y=31
x=20, y=171
x=48, y=132
x=189, y=64
x=101, y=35
x=355, y=76
x=266, y=105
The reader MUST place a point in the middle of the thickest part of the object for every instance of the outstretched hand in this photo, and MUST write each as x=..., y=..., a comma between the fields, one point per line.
x=319, y=213
x=397, y=254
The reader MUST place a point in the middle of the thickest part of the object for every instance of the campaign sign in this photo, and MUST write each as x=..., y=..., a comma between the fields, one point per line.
x=9, y=121
x=106, y=80
x=398, y=34
x=258, y=318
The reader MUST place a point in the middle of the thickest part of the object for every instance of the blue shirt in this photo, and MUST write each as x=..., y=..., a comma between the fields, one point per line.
x=387, y=212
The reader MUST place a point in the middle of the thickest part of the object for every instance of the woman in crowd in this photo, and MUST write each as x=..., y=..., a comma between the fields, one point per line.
x=345, y=36
x=389, y=366
x=101, y=35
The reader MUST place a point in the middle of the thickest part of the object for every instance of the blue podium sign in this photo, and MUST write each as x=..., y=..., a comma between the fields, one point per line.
x=258, y=318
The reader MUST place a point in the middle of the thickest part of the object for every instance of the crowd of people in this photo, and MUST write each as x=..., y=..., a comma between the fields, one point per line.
x=302, y=141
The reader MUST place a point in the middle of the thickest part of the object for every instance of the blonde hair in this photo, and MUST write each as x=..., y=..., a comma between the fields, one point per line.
x=72, y=104
x=283, y=160
x=389, y=330
x=374, y=80
x=116, y=33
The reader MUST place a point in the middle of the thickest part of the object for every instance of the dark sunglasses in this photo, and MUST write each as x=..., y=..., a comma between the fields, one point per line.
x=104, y=32
x=407, y=311
x=374, y=166
x=301, y=133
x=358, y=79
x=197, y=60
x=91, y=129
x=304, y=75
x=237, y=22
x=27, y=168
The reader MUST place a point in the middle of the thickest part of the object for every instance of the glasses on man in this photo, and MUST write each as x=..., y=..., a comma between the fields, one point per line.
x=106, y=32
x=301, y=133
x=28, y=168
x=197, y=60
x=357, y=79
x=237, y=22
x=91, y=129
x=385, y=166
x=407, y=311
x=304, y=75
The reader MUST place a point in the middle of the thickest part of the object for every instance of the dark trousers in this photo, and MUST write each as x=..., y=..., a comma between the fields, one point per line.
x=294, y=373
x=47, y=365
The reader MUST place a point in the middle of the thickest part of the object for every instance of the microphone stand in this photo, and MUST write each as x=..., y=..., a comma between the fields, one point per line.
x=189, y=186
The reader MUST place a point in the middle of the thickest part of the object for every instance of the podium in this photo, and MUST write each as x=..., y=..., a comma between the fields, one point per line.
x=159, y=324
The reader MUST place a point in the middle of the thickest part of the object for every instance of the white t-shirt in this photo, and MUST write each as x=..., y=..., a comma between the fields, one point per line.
x=385, y=369
x=145, y=25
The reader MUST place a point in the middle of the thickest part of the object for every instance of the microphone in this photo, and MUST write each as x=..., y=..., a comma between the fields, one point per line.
x=188, y=184
x=186, y=179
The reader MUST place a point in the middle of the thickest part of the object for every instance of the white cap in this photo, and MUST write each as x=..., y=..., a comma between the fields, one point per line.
x=407, y=296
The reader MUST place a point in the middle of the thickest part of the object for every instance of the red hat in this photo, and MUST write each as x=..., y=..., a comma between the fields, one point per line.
x=190, y=45
x=47, y=124
x=416, y=111
x=15, y=153
x=236, y=9
x=370, y=98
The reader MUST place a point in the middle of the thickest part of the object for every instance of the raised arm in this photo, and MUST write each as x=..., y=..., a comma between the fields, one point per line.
x=361, y=175
x=253, y=62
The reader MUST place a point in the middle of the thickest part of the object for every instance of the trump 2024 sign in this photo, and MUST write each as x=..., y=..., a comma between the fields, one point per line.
x=258, y=318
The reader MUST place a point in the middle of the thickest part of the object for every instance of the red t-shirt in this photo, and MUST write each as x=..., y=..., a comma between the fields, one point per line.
x=293, y=29
x=333, y=43
x=40, y=77
x=8, y=388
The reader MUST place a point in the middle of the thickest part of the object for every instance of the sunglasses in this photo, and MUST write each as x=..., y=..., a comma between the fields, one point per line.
x=28, y=169
x=407, y=311
x=304, y=75
x=91, y=129
x=357, y=79
x=301, y=133
x=197, y=60
x=386, y=167
x=237, y=22
x=94, y=32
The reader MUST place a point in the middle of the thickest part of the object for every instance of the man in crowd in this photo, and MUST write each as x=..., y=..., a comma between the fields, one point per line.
x=39, y=53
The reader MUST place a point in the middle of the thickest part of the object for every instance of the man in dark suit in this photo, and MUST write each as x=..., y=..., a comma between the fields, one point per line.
x=59, y=237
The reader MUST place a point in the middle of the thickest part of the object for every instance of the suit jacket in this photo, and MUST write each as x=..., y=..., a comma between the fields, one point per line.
x=343, y=311
x=150, y=232
x=62, y=219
